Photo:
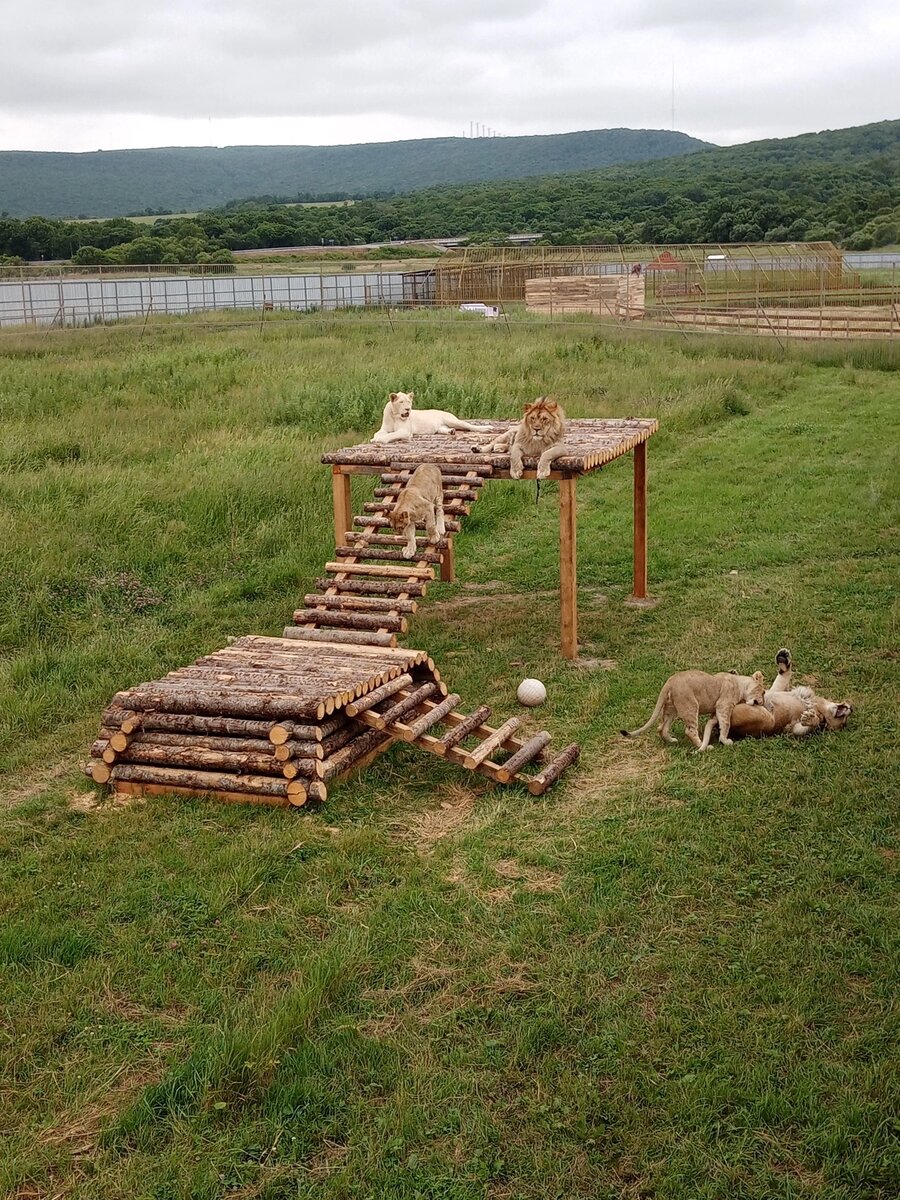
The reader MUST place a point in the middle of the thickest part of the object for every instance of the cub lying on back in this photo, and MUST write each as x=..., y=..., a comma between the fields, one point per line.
x=540, y=434
x=795, y=711
x=690, y=693
x=420, y=503
x=400, y=421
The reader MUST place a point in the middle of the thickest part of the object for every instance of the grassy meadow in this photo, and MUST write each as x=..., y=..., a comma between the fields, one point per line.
x=674, y=977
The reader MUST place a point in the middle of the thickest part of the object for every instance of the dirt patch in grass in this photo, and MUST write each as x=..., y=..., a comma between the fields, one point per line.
x=533, y=879
x=425, y=829
x=623, y=766
x=79, y=1131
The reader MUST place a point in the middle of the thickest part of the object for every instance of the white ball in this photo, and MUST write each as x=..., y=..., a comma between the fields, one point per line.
x=531, y=692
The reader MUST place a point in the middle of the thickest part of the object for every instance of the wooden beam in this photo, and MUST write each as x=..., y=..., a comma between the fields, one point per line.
x=640, y=521
x=343, y=505
x=568, y=568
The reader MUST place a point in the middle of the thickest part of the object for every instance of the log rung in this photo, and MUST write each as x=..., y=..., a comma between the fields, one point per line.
x=350, y=620
x=348, y=637
x=402, y=477
x=467, y=726
x=408, y=704
x=351, y=603
x=416, y=728
x=528, y=753
x=372, y=588
x=378, y=572
x=538, y=784
x=484, y=749
x=386, y=554
x=381, y=522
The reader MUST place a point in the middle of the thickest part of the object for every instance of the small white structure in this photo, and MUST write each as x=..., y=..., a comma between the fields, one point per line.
x=491, y=311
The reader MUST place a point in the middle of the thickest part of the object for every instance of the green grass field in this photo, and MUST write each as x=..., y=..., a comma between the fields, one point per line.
x=674, y=977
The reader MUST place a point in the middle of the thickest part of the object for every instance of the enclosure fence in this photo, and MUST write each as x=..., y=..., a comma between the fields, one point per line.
x=808, y=291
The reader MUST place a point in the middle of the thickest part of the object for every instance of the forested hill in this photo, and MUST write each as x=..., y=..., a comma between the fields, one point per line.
x=121, y=182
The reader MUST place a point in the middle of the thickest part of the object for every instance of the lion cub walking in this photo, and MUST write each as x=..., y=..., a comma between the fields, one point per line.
x=540, y=434
x=420, y=503
x=689, y=693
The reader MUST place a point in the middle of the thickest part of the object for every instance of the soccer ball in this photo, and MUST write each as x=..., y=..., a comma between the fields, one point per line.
x=531, y=693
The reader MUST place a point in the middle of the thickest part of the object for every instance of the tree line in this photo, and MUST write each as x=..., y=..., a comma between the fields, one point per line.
x=842, y=186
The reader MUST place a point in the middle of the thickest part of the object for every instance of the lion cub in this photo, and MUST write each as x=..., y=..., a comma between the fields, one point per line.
x=540, y=434
x=689, y=693
x=420, y=502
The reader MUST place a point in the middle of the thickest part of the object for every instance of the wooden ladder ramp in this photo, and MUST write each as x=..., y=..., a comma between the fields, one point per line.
x=370, y=589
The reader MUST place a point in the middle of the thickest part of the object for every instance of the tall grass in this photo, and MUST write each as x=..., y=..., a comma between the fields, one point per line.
x=673, y=977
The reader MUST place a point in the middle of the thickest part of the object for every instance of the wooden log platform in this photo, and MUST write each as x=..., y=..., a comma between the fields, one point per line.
x=275, y=719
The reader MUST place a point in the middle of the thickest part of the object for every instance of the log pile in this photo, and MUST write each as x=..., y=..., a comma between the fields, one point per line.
x=264, y=719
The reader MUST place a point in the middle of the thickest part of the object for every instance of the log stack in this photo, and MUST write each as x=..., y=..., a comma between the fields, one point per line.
x=264, y=719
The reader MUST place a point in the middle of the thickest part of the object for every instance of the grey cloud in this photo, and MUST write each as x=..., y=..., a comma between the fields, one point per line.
x=526, y=65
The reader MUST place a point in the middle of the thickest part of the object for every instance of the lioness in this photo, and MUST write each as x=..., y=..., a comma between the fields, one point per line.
x=540, y=434
x=792, y=711
x=400, y=421
x=689, y=693
x=420, y=502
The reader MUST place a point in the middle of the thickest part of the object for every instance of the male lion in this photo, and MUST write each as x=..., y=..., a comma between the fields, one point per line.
x=540, y=434
x=420, y=502
x=791, y=711
x=400, y=421
x=689, y=693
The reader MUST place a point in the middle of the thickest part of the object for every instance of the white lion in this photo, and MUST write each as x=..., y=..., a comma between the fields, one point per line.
x=401, y=421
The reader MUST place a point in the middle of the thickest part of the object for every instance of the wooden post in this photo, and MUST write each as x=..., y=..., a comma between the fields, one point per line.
x=448, y=563
x=343, y=512
x=568, y=568
x=640, y=521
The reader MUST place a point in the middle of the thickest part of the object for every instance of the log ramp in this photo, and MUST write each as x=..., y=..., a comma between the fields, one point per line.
x=275, y=720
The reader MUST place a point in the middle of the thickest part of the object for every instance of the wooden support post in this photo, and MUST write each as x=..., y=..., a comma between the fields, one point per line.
x=448, y=563
x=640, y=521
x=343, y=512
x=568, y=568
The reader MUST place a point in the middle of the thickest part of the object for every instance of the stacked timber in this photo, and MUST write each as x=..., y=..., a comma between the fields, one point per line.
x=262, y=720
x=557, y=295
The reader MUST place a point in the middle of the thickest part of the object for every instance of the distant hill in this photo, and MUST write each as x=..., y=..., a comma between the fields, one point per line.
x=119, y=182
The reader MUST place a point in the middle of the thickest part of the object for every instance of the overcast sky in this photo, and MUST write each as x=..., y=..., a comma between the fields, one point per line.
x=109, y=74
